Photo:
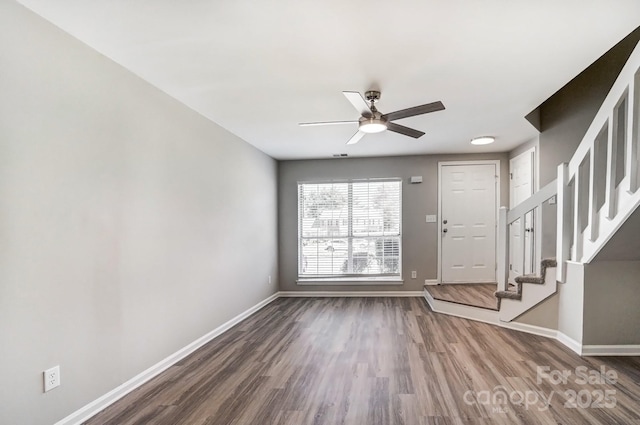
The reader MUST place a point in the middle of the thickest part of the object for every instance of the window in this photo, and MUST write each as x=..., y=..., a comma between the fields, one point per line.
x=349, y=229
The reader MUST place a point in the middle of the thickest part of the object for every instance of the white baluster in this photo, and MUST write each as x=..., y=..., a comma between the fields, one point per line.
x=563, y=238
x=612, y=163
x=577, y=215
x=593, y=213
x=633, y=139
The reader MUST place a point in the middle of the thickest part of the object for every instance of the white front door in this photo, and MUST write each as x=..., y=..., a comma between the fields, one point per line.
x=521, y=187
x=468, y=207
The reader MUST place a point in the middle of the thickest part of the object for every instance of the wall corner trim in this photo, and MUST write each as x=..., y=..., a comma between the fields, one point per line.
x=569, y=342
x=89, y=410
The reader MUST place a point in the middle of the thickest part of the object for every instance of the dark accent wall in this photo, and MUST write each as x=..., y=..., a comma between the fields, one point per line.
x=566, y=116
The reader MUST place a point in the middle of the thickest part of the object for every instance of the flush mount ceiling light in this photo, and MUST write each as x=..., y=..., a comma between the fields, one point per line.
x=483, y=140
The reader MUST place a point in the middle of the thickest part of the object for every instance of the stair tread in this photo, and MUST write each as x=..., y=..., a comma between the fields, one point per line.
x=516, y=294
x=508, y=294
x=530, y=278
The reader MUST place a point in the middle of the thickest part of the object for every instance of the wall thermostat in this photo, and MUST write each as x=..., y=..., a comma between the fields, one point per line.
x=416, y=179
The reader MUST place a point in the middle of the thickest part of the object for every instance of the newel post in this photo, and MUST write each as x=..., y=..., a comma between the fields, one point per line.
x=502, y=272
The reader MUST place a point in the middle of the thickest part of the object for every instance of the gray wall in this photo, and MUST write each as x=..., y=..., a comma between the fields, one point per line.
x=624, y=245
x=598, y=305
x=571, y=303
x=544, y=314
x=419, y=239
x=130, y=226
x=611, y=300
x=533, y=143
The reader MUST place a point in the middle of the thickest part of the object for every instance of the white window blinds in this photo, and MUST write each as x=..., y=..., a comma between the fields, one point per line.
x=349, y=229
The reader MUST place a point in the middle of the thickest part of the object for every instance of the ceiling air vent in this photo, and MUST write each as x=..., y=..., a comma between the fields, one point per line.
x=340, y=155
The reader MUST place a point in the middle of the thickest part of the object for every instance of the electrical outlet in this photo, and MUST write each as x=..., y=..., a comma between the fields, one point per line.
x=51, y=378
x=414, y=274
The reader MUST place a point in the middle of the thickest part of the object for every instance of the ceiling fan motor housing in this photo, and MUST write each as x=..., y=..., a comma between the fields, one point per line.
x=372, y=96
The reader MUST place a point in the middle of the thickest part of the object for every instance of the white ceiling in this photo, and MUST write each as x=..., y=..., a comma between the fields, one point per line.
x=257, y=68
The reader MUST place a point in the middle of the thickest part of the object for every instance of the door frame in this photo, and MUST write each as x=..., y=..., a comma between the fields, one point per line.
x=532, y=154
x=534, y=172
x=441, y=164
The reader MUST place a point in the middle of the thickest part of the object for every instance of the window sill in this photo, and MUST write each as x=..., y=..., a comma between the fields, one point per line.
x=338, y=281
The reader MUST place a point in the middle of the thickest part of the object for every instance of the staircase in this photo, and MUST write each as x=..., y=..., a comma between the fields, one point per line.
x=530, y=289
x=596, y=192
x=598, y=188
x=539, y=287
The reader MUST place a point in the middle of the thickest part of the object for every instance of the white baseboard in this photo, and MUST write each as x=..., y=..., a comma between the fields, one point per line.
x=598, y=350
x=462, y=311
x=611, y=350
x=530, y=329
x=473, y=313
x=569, y=342
x=112, y=396
x=339, y=294
x=431, y=282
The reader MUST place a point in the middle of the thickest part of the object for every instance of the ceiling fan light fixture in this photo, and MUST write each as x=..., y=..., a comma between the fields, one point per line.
x=373, y=121
x=483, y=140
x=372, y=125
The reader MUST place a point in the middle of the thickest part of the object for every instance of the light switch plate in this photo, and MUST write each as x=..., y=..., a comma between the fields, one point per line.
x=431, y=218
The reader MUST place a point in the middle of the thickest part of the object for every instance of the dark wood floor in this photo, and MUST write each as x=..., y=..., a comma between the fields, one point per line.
x=473, y=294
x=375, y=361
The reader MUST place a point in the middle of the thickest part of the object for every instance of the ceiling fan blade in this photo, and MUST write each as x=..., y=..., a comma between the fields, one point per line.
x=358, y=102
x=416, y=110
x=356, y=138
x=397, y=128
x=309, y=124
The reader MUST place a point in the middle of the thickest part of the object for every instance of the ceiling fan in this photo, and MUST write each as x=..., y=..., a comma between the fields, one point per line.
x=373, y=121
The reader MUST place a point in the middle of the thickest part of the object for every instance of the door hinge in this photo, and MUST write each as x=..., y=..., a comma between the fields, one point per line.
x=511, y=176
x=510, y=266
